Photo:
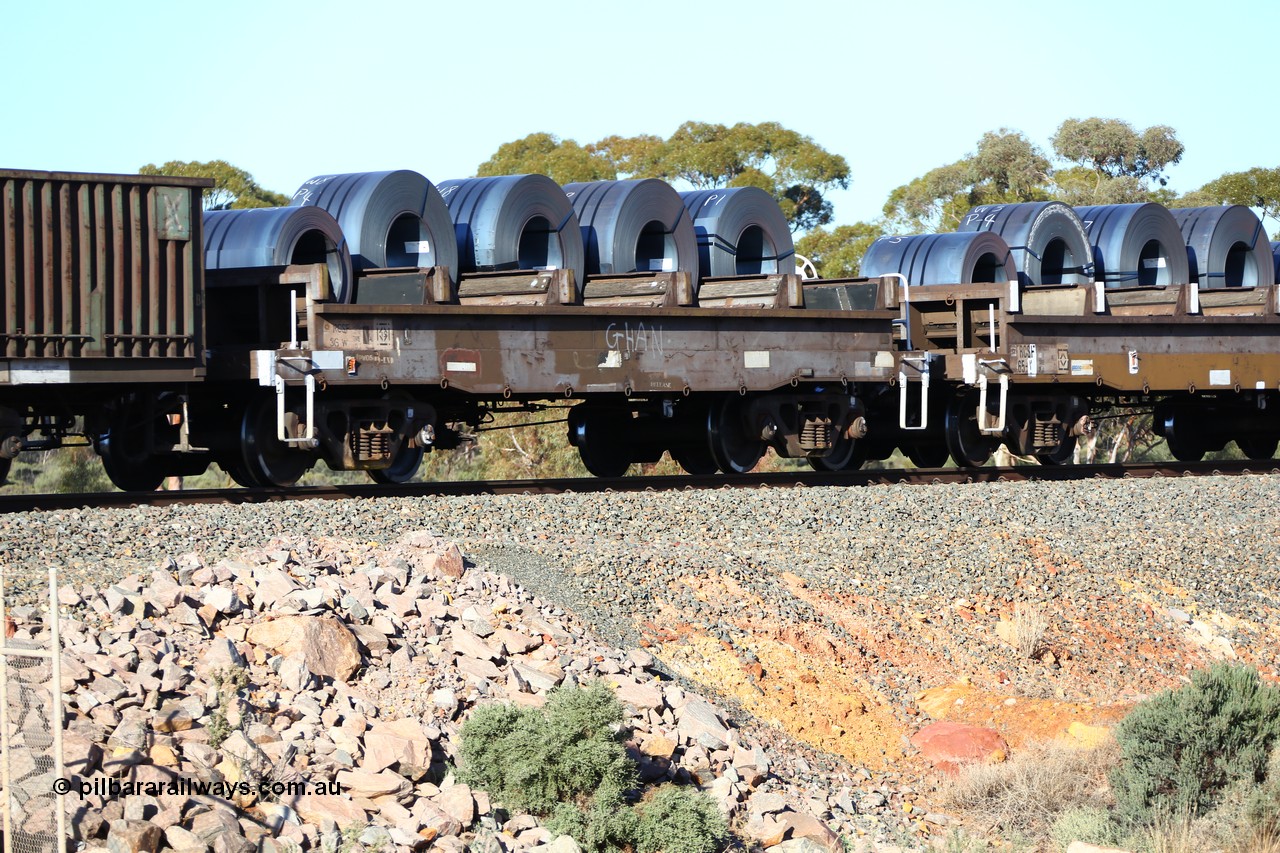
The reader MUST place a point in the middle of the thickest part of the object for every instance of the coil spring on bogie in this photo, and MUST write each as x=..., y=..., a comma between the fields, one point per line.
x=371, y=443
x=816, y=434
x=1047, y=433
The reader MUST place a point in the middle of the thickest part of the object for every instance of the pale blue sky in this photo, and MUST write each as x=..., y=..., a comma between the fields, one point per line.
x=288, y=90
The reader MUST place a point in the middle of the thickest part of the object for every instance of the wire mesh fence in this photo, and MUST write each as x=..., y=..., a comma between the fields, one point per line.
x=31, y=729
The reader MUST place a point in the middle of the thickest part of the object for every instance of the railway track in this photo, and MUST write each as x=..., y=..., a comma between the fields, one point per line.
x=582, y=485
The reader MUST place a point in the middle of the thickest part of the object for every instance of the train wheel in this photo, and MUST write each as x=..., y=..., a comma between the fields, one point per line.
x=267, y=461
x=926, y=455
x=1061, y=455
x=695, y=459
x=735, y=450
x=402, y=468
x=126, y=458
x=1184, y=444
x=847, y=455
x=599, y=437
x=239, y=474
x=1255, y=447
x=965, y=442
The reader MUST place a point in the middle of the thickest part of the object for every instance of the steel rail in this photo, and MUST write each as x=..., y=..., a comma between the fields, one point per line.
x=587, y=485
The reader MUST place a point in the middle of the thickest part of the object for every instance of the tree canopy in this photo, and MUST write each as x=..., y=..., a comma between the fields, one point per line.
x=1005, y=168
x=791, y=166
x=1259, y=188
x=233, y=188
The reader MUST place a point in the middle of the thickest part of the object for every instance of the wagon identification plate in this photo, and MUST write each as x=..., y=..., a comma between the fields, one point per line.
x=1033, y=360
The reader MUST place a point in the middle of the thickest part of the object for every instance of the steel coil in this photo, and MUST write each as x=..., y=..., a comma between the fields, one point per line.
x=278, y=236
x=513, y=222
x=1226, y=247
x=390, y=219
x=740, y=231
x=1275, y=255
x=1135, y=245
x=634, y=226
x=962, y=258
x=1047, y=240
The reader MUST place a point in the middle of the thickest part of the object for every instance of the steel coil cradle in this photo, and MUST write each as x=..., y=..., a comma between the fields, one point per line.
x=1047, y=240
x=634, y=226
x=1135, y=245
x=390, y=219
x=1226, y=247
x=956, y=258
x=513, y=222
x=278, y=236
x=740, y=231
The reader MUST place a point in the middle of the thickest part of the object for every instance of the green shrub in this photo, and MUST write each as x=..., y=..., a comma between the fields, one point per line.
x=1090, y=824
x=566, y=760
x=1181, y=749
x=606, y=824
x=678, y=820
x=533, y=758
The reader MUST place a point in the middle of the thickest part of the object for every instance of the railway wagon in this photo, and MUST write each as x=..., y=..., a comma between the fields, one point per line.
x=102, y=288
x=1023, y=341
x=307, y=351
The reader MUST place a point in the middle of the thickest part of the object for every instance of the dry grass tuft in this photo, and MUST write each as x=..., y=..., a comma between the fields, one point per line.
x=1029, y=625
x=1026, y=794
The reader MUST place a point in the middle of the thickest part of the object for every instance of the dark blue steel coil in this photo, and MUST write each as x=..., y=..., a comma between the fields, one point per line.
x=964, y=258
x=278, y=236
x=391, y=219
x=634, y=226
x=1275, y=255
x=1226, y=247
x=1135, y=245
x=741, y=231
x=1047, y=240
x=513, y=222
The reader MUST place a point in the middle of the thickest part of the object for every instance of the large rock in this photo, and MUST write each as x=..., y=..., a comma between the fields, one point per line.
x=133, y=836
x=808, y=827
x=641, y=696
x=402, y=742
x=458, y=804
x=362, y=783
x=326, y=646
x=315, y=808
x=698, y=721
x=949, y=745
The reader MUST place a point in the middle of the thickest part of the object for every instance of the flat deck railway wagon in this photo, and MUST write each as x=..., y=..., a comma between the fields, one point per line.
x=377, y=318
x=1035, y=316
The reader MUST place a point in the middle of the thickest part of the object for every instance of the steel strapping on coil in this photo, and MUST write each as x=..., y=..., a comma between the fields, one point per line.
x=1047, y=239
x=390, y=219
x=513, y=222
x=961, y=258
x=278, y=236
x=1226, y=247
x=740, y=231
x=1135, y=245
x=634, y=226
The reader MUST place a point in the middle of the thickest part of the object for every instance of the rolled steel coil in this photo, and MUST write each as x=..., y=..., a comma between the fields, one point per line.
x=1135, y=245
x=1275, y=255
x=1226, y=247
x=1046, y=239
x=390, y=219
x=741, y=231
x=278, y=236
x=634, y=226
x=962, y=258
x=513, y=222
